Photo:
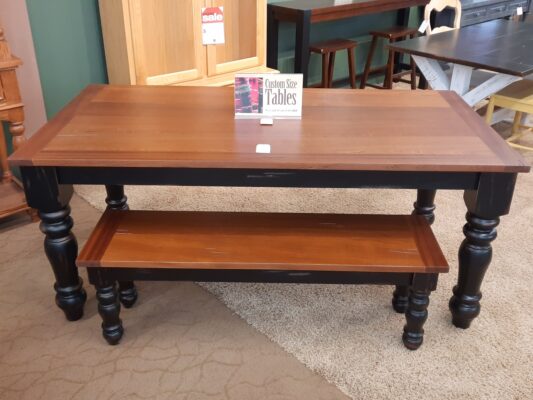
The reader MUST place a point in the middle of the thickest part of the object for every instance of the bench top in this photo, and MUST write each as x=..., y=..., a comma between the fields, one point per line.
x=261, y=241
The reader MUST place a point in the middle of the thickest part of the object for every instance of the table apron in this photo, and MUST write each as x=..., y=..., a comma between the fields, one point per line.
x=268, y=178
x=264, y=276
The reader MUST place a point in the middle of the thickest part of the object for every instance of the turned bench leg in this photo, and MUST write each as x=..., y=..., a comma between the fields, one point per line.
x=116, y=200
x=109, y=310
x=425, y=206
x=416, y=313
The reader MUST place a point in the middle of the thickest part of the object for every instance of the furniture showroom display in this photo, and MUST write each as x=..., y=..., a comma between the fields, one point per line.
x=496, y=46
x=304, y=13
x=12, y=199
x=159, y=42
x=148, y=135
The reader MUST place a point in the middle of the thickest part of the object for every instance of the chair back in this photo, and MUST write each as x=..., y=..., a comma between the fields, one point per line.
x=438, y=6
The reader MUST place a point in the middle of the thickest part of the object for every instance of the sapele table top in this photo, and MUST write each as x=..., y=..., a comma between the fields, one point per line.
x=326, y=10
x=194, y=127
x=500, y=46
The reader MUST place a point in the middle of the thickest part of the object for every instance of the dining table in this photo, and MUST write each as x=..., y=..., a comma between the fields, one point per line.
x=503, y=49
x=188, y=136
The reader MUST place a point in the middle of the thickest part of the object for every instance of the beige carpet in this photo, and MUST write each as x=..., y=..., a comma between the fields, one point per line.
x=350, y=335
x=180, y=343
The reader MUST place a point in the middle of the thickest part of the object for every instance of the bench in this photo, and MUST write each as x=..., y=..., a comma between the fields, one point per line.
x=397, y=250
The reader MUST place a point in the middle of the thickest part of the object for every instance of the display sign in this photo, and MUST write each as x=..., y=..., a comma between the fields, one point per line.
x=213, y=25
x=268, y=95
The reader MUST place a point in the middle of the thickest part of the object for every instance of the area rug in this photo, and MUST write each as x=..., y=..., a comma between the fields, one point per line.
x=350, y=334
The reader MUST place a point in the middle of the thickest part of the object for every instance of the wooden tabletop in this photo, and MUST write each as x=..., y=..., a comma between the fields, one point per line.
x=326, y=10
x=499, y=46
x=341, y=129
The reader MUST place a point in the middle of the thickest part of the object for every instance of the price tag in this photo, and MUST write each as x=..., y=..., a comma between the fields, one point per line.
x=519, y=11
x=213, y=25
x=423, y=26
x=262, y=149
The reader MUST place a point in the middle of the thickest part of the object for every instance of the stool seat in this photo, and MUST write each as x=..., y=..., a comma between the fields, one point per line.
x=328, y=49
x=395, y=32
x=329, y=46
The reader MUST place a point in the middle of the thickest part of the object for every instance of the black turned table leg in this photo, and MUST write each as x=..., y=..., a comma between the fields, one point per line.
x=51, y=200
x=491, y=200
x=416, y=313
x=117, y=200
x=424, y=205
x=272, y=38
x=303, y=30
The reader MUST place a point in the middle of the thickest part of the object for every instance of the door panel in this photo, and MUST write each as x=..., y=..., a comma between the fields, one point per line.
x=167, y=41
x=244, y=29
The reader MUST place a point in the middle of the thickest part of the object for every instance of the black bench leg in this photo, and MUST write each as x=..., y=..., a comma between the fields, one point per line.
x=400, y=299
x=417, y=314
x=127, y=293
x=425, y=206
x=109, y=310
x=116, y=200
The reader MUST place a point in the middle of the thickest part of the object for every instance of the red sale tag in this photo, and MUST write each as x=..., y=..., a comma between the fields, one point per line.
x=212, y=25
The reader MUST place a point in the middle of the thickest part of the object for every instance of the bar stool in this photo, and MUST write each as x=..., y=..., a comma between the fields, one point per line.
x=392, y=35
x=328, y=49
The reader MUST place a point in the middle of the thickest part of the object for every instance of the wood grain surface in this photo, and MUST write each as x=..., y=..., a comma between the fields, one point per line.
x=499, y=46
x=194, y=127
x=207, y=240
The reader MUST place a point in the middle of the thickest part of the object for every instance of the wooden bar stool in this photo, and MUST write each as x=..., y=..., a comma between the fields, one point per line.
x=328, y=49
x=392, y=35
x=519, y=98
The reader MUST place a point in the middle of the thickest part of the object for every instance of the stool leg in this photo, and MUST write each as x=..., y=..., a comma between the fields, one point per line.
x=490, y=110
x=413, y=68
x=331, y=68
x=516, y=123
x=325, y=70
x=369, y=61
x=387, y=84
x=351, y=66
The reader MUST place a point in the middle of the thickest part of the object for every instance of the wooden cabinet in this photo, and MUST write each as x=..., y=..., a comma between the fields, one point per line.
x=12, y=198
x=159, y=42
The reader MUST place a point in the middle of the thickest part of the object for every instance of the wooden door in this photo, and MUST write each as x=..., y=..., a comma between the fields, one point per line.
x=167, y=41
x=245, y=37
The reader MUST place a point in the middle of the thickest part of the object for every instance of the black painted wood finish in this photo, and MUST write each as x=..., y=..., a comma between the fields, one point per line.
x=108, y=306
x=51, y=199
x=491, y=200
x=416, y=313
x=500, y=46
x=117, y=200
x=424, y=205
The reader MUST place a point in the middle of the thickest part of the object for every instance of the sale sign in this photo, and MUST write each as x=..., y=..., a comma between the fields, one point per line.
x=212, y=25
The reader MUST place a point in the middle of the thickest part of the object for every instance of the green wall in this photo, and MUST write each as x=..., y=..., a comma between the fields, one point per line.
x=68, y=47
x=70, y=55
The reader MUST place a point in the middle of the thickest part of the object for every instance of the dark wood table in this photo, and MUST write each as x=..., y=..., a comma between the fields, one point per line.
x=303, y=13
x=501, y=46
x=147, y=135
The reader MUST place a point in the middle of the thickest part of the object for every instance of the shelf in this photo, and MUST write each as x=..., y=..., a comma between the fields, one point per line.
x=12, y=199
x=260, y=241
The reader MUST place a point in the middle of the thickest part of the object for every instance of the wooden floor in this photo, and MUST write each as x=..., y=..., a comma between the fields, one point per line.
x=312, y=242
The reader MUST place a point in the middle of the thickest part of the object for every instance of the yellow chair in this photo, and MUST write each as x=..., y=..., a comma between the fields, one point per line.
x=517, y=97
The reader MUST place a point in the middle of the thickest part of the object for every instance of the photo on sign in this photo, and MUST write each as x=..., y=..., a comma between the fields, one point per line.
x=268, y=95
